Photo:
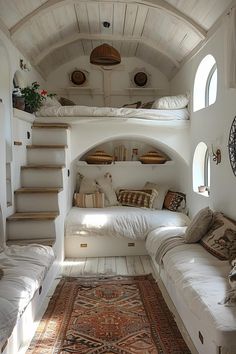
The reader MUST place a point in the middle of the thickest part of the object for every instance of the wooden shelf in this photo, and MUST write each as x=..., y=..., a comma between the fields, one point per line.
x=125, y=164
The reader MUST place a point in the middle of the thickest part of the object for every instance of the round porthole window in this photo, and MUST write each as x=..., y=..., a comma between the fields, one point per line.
x=78, y=77
x=140, y=79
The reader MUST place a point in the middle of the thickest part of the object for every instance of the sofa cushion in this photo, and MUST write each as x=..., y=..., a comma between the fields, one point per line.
x=93, y=200
x=171, y=102
x=161, y=189
x=173, y=200
x=88, y=185
x=220, y=239
x=199, y=225
x=137, y=198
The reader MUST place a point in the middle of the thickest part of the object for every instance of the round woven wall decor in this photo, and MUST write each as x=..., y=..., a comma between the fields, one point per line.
x=78, y=77
x=140, y=79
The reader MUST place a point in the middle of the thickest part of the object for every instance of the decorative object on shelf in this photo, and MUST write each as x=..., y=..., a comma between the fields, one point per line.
x=105, y=55
x=153, y=157
x=34, y=97
x=134, y=156
x=232, y=146
x=99, y=157
x=78, y=77
x=24, y=66
x=18, y=100
x=140, y=78
x=216, y=155
x=120, y=153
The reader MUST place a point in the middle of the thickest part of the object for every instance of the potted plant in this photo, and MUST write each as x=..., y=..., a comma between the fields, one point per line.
x=34, y=97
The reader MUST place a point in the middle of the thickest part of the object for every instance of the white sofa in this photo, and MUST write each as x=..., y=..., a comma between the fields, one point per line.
x=28, y=272
x=196, y=282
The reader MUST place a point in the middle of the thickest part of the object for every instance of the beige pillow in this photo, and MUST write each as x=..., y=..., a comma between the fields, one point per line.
x=161, y=189
x=171, y=102
x=137, y=198
x=220, y=240
x=199, y=225
x=94, y=200
x=105, y=186
x=88, y=185
x=51, y=102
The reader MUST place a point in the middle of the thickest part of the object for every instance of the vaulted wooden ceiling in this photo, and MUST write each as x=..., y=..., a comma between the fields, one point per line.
x=160, y=32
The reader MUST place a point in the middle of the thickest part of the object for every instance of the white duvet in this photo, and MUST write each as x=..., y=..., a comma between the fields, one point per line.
x=120, y=221
x=101, y=112
x=24, y=269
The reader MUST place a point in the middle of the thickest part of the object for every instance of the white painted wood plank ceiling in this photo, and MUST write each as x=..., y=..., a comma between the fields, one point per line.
x=161, y=32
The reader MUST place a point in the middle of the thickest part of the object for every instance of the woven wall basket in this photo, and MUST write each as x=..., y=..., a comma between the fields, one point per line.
x=153, y=157
x=78, y=77
x=100, y=157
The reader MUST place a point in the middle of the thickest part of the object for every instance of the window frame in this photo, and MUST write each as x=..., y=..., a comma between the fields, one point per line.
x=208, y=83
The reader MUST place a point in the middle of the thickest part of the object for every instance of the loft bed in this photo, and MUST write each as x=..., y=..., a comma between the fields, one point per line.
x=169, y=108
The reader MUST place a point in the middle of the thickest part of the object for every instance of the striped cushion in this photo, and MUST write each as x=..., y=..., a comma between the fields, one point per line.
x=93, y=200
x=173, y=200
x=137, y=198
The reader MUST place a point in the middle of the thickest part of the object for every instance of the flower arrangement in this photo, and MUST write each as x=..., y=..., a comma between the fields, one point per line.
x=34, y=97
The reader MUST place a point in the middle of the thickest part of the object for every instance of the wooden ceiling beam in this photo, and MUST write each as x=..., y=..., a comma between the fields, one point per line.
x=160, y=4
x=100, y=36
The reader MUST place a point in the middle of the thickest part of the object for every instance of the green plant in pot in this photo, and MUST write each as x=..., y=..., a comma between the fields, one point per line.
x=34, y=97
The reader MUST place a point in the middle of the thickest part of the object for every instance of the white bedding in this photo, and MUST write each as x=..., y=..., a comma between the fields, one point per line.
x=202, y=281
x=24, y=269
x=101, y=112
x=120, y=221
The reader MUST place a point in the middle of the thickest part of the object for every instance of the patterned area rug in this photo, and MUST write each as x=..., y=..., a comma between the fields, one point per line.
x=121, y=315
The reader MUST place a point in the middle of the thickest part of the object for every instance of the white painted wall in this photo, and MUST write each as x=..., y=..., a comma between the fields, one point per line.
x=117, y=82
x=211, y=125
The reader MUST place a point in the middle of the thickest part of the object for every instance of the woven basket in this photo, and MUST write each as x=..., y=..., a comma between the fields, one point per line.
x=153, y=157
x=99, y=158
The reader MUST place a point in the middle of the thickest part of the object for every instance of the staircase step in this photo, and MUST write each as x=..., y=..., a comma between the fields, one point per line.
x=51, y=126
x=33, y=216
x=42, y=167
x=46, y=146
x=38, y=190
x=40, y=241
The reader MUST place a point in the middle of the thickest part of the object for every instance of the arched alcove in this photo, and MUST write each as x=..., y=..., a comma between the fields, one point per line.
x=201, y=169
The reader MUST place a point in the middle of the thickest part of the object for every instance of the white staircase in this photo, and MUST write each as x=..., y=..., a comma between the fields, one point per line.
x=37, y=202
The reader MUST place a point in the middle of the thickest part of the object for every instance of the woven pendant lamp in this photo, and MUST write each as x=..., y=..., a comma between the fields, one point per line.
x=105, y=55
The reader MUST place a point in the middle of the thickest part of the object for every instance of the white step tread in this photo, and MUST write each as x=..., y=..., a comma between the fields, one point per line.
x=57, y=146
x=43, y=167
x=51, y=125
x=33, y=216
x=38, y=190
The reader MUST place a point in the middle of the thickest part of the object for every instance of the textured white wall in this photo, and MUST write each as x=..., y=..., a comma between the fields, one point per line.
x=212, y=125
x=119, y=81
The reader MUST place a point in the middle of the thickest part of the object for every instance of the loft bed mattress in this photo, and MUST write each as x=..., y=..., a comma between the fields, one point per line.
x=24, y=269
x=101, y=112
x=201, y=280
x=120, y=221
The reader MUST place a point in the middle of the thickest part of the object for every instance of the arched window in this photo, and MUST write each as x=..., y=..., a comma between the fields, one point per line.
x=205, y=84
x=201, y=169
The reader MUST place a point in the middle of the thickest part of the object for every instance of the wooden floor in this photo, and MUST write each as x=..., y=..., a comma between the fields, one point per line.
x=130, y=265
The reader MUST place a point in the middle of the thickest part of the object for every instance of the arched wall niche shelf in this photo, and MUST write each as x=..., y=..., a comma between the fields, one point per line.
x=125, y=151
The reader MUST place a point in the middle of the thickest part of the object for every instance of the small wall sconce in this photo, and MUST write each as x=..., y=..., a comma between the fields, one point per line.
x=24, y=66
x=216, y=155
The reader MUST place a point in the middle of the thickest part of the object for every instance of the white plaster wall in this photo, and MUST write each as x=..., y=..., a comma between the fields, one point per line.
x=211, y=125
x=119, y=82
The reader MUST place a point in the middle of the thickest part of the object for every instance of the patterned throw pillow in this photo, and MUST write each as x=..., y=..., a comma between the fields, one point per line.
x=94, y=200
x=220, y=239
x=147, y=105
x=137, y=198
x=66, y=102
x=133, y=105
x=173, y=200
